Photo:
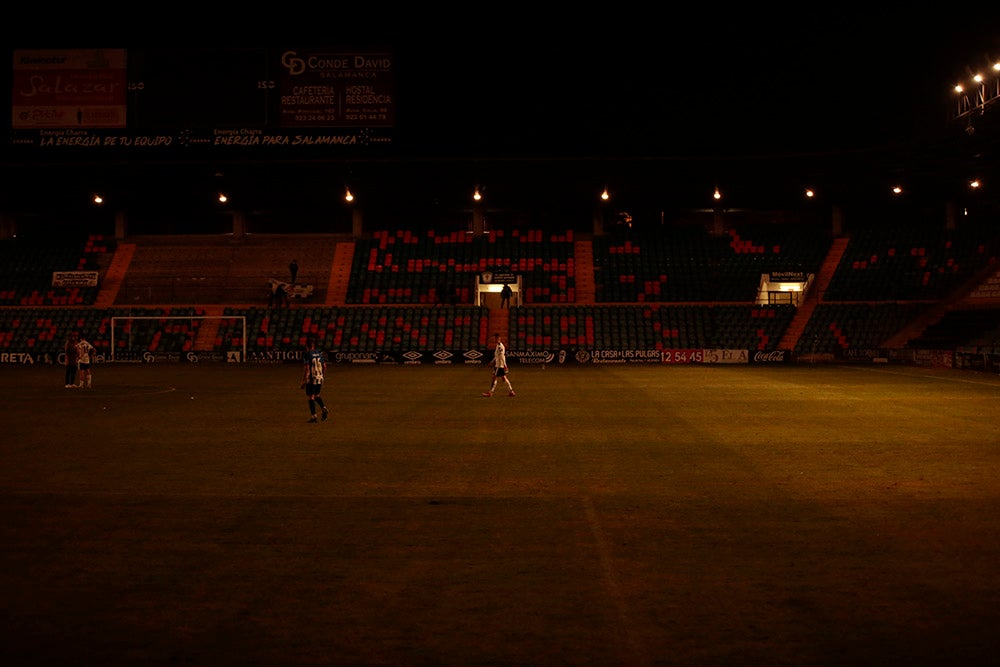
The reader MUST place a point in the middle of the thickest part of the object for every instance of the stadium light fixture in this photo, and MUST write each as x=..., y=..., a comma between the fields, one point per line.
x=348, y=195
x=97, y=199
x=605, y=195
x=477, y=195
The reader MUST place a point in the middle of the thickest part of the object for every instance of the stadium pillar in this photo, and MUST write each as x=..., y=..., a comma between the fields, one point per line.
x=239, y=224
x=478, y=221
x=837, y=221
x=8, y=227
x=357, y=222
x=599, y=221
x=121, y=225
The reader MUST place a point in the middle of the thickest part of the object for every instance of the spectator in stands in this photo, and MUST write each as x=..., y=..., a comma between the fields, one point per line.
x=85, y=353
x=293, y=270
x=505, y=296
x=279, y=295
x=72, y=359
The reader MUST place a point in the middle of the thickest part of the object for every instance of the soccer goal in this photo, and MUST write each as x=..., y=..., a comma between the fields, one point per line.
x=132, y=336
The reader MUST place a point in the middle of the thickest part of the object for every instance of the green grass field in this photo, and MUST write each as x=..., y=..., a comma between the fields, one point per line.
x=607, y=515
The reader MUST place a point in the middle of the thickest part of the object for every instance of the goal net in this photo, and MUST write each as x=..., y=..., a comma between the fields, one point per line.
x=136, y=337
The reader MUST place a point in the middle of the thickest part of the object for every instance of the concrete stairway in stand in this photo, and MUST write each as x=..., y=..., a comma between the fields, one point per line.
x=966, y=297
x=583, y=259
x=115, y=275
x=805, y=310
x=208, y=330
x=340, y=274
x=499, y=323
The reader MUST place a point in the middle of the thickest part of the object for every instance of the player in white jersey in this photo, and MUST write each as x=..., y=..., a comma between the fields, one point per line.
x=499, y=367
x=84, y=359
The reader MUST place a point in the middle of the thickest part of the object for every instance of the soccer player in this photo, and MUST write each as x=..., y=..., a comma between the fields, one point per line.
x=85, y=358
x=499, y=367
x=313, y=373
x=72, y=359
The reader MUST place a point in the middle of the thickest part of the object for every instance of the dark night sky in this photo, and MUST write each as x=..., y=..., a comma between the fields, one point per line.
x=755, y=82
x=633, y=83
x=630, y=81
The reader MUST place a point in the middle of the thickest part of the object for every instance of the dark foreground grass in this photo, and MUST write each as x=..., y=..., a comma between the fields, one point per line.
x=608, y=515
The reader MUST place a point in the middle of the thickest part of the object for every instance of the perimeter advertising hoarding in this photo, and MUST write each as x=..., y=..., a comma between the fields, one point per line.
x=163, y=101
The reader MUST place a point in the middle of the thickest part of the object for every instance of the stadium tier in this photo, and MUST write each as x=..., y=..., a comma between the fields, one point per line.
x=396, y=292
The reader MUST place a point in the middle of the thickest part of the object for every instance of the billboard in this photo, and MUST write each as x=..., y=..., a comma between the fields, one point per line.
x=72, y=88
x=177, y=100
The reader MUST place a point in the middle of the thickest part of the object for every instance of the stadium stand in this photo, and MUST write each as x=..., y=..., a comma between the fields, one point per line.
x=400, y=267
x=222, y=269
x=357, y=329
x=648, y=327
x=898, y=262
x=28, y=270
x=683, y=287
x=692, y=264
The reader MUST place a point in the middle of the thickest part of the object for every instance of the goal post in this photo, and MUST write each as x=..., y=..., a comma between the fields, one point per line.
x=139, y=331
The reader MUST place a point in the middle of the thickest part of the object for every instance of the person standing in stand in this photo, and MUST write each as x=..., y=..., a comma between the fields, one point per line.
x=313, y=374
x=72, y=359
x=505, y=296
x=293, y=270
x=499, y=367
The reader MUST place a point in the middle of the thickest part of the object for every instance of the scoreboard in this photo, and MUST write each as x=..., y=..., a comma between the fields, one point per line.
x=186, y=101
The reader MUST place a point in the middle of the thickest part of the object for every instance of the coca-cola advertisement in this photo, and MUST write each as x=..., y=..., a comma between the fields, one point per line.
x=770, y=357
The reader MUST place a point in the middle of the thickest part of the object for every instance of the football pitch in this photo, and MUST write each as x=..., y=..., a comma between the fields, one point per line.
x=606, y=515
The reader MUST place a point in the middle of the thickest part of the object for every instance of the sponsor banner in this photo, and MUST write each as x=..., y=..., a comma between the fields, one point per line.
x=74, y=278
x=125, y=357
x=725, y=356
x=626, y=356
x=868, y=355
x=535, y=357
x=988, y=360
x=771, y=357
x=69, y=88
x=683, y=356
x=198, y=357
x=934, y=358
x=296, y=291
x=330, y=88
x=353, y=357
x=16, y=359
x=433, y=357
x=497, y=278
x=411, y=357
x=788, y=277
x=273, y=357
x=119, y=142
x=149, y=357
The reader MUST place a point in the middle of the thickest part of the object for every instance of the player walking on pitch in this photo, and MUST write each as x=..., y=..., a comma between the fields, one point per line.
x=313, y=373
x=499, y=367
